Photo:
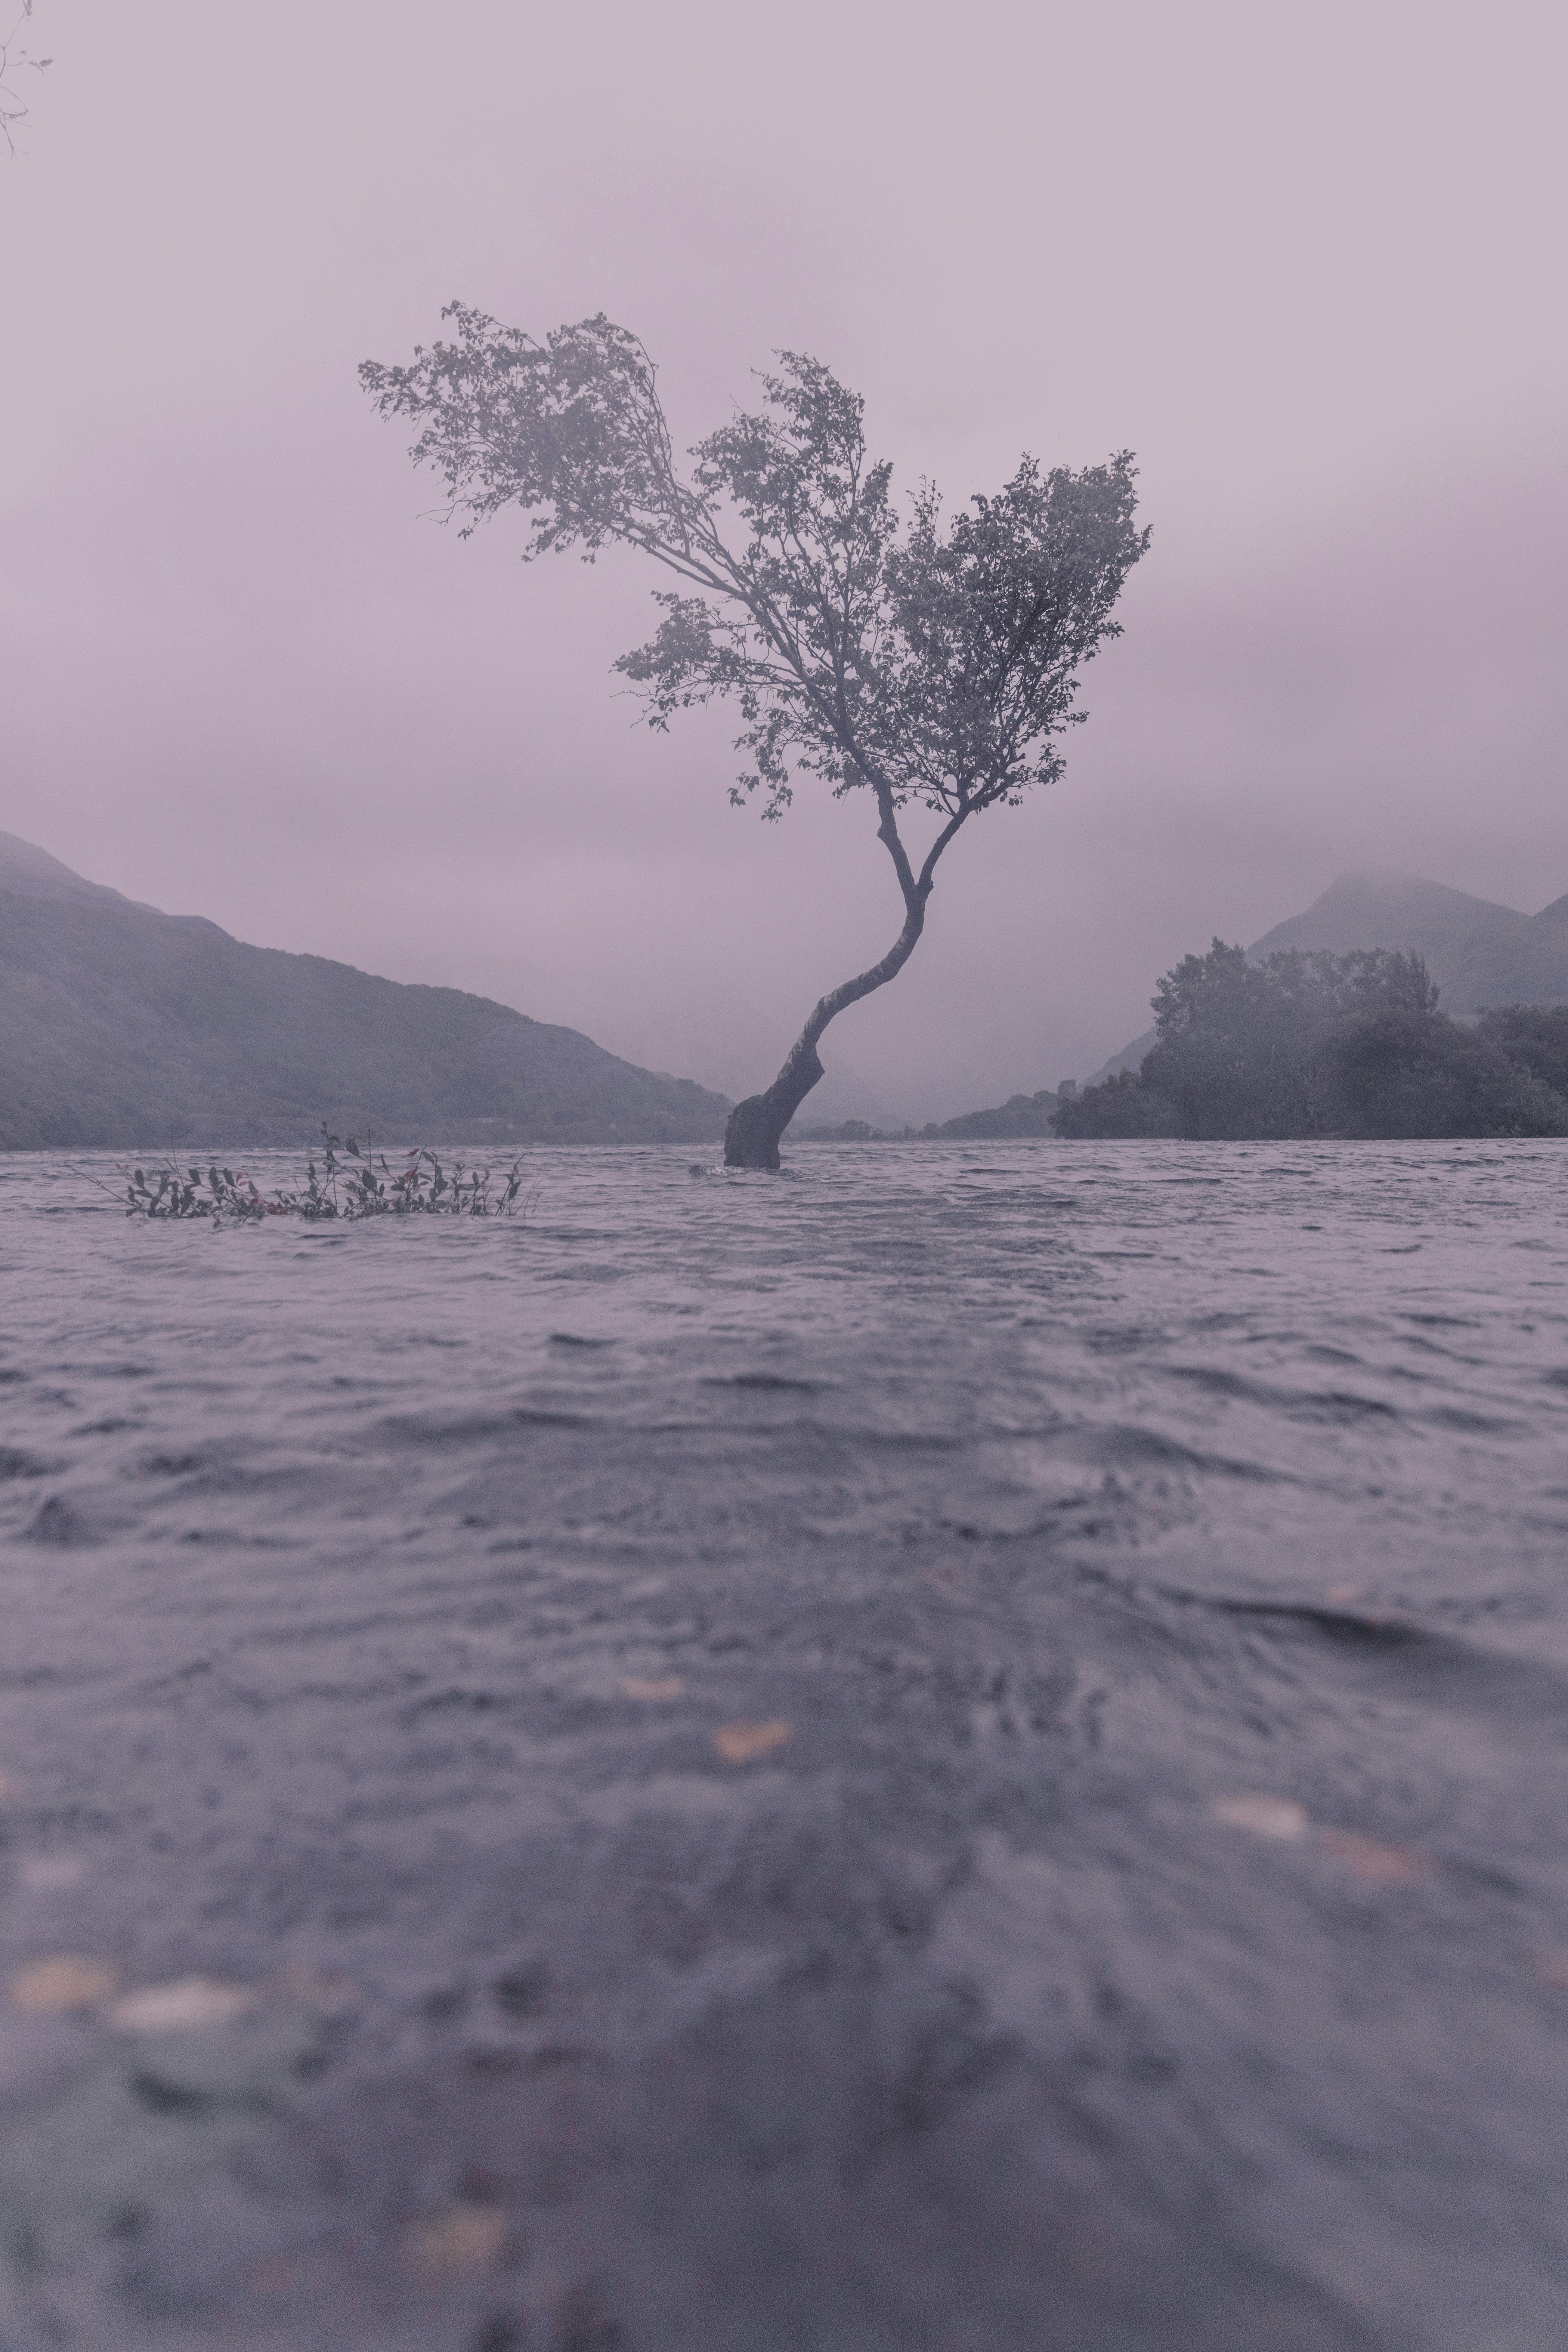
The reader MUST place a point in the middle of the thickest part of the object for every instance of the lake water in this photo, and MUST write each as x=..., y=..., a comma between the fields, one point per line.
x=963, y=1748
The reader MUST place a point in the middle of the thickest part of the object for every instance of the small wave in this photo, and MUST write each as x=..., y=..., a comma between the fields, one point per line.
x=1363, y=1630
x=57, y=1525
x=1467, y=1423
x=1305, y=1404
x=472, y=1428
x=15, y=1463
x=1131, y=1443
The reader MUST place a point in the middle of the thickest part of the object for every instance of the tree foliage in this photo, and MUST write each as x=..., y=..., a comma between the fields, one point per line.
x=930, y=662
x=1535, y=1035
x=1305, y=1044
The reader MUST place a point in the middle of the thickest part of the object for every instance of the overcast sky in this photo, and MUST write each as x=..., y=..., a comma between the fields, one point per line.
x=1307, y=263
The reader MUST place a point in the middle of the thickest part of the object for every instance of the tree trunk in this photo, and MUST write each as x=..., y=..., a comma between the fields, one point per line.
x=751, y=1135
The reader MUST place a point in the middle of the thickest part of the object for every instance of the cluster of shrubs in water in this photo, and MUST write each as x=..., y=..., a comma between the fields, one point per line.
x=1304, y=1045
x=330, y=1188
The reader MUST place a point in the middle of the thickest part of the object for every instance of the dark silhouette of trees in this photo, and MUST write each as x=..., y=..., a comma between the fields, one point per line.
x=1305, y=1044
x=929, y=663
x=1535, y=1035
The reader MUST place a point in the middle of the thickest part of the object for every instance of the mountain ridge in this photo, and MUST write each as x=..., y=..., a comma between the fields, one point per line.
x=121, y=1025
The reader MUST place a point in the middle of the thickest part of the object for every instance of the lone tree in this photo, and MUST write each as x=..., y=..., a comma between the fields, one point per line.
x=923, y=662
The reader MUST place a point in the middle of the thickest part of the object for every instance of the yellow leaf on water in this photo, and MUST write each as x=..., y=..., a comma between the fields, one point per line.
x=1271, y=1817
x=466, y=2238
x=1552, y=1969
x=1379, y=1864
x=658, y=1691
x=742, y=1743
x=65, y=1981
x=187, y=2005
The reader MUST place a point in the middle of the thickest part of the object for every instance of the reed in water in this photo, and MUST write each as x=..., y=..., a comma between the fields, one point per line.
x=331, y=1187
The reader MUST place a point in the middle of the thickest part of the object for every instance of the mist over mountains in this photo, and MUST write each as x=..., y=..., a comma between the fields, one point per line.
x=1478, y=952
x=122, y=1025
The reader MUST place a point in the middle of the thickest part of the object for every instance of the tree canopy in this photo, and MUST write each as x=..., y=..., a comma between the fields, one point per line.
x=924, y=659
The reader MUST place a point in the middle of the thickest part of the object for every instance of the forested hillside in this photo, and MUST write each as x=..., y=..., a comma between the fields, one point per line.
x=122, y=1025
x=1307, y=1044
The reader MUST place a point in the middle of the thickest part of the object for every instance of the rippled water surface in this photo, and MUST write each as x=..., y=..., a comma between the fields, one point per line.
x=963, y=1749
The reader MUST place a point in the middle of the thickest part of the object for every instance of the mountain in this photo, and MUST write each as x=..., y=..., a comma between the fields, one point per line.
x=120, y=1026
x=32, y=873
x=1129, y=1058
x=1529, y=968
x=1020, y=1114
x=842, y=1094
x=1478, y=953
x=1460, y=937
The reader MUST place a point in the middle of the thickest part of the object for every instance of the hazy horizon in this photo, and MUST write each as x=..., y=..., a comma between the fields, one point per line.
x=844, y=1092
x=1306, y=277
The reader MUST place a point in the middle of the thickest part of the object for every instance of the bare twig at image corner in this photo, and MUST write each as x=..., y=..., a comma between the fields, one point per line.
x=13, y=60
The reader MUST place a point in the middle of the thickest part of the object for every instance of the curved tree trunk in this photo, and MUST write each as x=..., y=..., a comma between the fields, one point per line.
x=754, y=1127
x=752, y=1136
x=752, y=1132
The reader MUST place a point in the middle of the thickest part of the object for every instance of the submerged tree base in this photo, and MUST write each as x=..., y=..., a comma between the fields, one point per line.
x=756, y=1126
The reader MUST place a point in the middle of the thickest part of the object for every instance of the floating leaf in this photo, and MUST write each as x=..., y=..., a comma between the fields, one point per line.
x=1271, y=1817
x=657, y=1690
x=742, y=1743
x=466, y=2238
x=1379, y=1864
x=64, y=1983
x=187, y=2005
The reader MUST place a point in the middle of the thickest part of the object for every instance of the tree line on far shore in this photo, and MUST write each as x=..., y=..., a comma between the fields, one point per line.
x=1319, y=1044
